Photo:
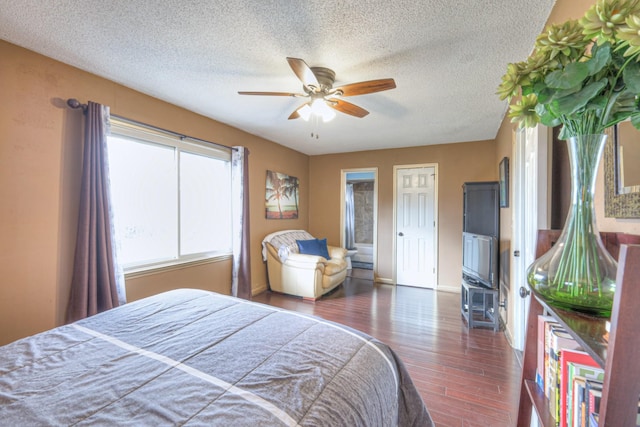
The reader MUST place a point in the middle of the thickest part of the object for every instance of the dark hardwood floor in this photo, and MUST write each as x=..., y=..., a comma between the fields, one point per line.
x=466, y=377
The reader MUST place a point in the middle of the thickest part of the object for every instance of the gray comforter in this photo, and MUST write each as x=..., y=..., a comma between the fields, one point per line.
x=197, y=358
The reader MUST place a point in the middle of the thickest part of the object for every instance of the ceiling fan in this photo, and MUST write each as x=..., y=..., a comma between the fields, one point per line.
x=317, y=83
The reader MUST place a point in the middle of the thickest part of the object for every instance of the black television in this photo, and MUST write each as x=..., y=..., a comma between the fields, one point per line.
x=480, y=260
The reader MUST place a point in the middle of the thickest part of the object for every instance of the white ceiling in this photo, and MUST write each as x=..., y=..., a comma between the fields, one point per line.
x=446, y=56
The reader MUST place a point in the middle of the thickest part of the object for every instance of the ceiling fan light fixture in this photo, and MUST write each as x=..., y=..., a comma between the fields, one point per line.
x=320, y=108
x=305, y=112
x=324, y=99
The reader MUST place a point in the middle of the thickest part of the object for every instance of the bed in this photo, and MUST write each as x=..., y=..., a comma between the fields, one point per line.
x=191, y=357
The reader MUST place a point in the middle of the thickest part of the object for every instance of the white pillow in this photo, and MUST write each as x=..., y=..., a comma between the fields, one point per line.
x=283, y=253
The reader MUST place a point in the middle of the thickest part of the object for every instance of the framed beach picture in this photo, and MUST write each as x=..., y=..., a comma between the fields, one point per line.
x=504, y=182
x=281, y=197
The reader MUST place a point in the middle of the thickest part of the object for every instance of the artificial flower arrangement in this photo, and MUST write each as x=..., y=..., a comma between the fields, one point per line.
x=583, y=74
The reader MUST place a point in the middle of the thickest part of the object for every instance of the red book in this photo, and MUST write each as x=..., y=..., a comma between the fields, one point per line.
x=576, y=357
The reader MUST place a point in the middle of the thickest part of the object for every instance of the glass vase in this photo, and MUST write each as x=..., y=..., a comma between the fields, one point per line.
x=578, y=273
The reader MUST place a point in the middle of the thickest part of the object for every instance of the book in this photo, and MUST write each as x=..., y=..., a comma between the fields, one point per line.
x=593, y=394
x=594, y=391
x=549, y=367
x=607, y=329
x=542, y=356
x=574, y=363
x=547, y=352
x=561, y=340
x=576, y=418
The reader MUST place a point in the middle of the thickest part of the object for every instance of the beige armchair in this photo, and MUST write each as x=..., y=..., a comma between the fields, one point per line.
x=293, y=273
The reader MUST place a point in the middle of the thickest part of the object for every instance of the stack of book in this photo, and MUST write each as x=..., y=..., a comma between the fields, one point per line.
x=569, y=377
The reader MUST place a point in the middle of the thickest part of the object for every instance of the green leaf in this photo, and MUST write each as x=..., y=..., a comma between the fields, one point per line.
x=546, y=118
x=601, y=55
x=570, y=76
x=541, y=109
x=613, y=81
x=566, y=92
x=564, y=133
x=617, y=58
x=635, y=121
x=624, y=101
x=621, y=116
x=631, y=76
x=624, y=106
x=545, y=94
x=611, y=108
x=597, y=103
x=572, y=103
x=549, y=121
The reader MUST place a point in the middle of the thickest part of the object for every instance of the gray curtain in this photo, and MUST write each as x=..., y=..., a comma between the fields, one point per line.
x=97, y=284
x=349, y=218
x=241, y=270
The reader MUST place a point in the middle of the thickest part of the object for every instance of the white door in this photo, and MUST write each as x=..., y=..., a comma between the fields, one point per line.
x=529, y=215
x=416, y=252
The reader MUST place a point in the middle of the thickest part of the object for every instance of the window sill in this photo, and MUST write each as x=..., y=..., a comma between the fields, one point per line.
x=172, y=266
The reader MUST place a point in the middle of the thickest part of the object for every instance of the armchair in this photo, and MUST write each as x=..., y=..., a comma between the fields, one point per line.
x=295, y=273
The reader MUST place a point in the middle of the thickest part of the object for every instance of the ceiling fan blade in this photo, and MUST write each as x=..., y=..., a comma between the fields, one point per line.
x=271, y=93
x=296, y=113
x=347, y=107
x=362, y=88
x=304, y=73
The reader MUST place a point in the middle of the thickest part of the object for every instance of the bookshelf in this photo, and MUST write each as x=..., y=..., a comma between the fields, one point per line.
x=618, y=357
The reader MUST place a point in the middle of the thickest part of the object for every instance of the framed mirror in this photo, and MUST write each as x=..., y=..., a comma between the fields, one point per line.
x=622, y=172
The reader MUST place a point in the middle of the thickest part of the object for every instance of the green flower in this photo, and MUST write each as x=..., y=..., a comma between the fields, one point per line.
x=604, y=19
x=537, y=66
x=583, y=75
x=510, y=82
x=631, y=35
x=524, y=111
x=564, y=43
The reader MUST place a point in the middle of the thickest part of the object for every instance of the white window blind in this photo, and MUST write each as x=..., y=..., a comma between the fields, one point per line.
x=171, y=197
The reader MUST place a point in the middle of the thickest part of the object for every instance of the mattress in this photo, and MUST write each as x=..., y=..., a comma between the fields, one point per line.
x=191, y=357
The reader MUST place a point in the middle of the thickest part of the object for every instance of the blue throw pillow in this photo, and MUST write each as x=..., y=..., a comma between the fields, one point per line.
x=313, y=247
x=322, y=244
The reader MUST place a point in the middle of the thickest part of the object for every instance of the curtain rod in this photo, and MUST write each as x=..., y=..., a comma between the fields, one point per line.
x=75, y=104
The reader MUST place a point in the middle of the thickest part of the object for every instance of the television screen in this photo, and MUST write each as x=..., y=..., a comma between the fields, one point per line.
x=479, y=259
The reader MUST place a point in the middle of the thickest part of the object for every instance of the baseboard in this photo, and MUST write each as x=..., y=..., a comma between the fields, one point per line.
x=259, y=290
x=452, y=289
x=507, y=334
x=386, y=281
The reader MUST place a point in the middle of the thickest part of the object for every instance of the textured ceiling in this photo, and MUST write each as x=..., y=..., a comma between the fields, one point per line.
x=446, y=57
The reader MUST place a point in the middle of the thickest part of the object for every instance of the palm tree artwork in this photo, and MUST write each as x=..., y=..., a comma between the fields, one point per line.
x=281, y=199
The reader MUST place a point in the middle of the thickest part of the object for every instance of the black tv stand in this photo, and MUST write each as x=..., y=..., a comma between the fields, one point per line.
x=481, y=215
x=479, y=306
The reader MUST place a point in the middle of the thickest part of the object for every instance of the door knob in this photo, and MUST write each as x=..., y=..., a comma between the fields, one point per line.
x=524, y=292
x=516, y=253
x=401, y=234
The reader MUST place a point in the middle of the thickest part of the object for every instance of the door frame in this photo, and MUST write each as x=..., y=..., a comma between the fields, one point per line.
x=435, y=218
x=524, y=234
x=343, y=186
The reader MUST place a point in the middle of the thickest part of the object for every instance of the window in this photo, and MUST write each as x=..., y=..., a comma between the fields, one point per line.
x=171, y=197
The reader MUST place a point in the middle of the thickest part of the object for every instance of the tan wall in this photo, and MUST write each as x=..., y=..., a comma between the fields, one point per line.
x=457, y=163
x=563, y=10
x=144, y=285
x=40, y=168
